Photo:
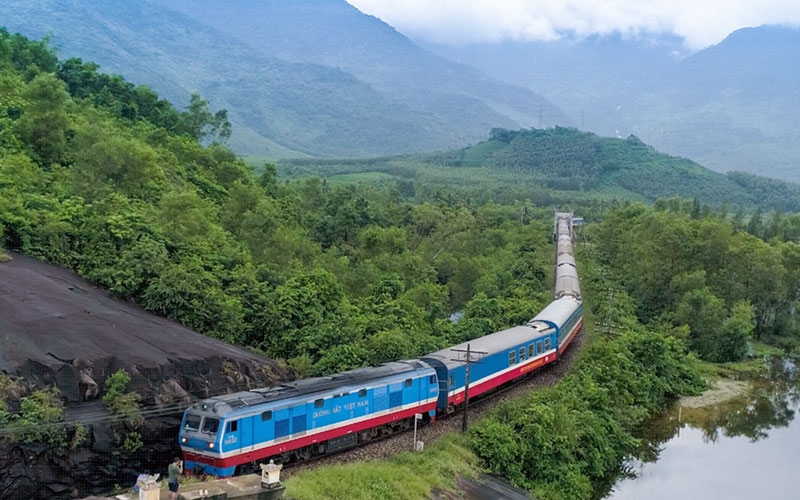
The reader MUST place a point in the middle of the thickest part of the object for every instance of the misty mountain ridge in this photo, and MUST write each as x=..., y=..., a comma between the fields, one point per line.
x=730, y=106
x=333, y=33
x=319, y=78
x=369, y=101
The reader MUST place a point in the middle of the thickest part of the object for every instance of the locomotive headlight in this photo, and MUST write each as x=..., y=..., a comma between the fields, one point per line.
x=210, y=446
x=184, y=439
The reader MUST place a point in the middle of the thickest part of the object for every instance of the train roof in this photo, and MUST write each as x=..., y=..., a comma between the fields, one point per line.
x=556, y=312
x=490, y=344
x=340, y=381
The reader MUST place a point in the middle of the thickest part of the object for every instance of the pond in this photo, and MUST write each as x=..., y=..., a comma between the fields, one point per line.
x=747, y=447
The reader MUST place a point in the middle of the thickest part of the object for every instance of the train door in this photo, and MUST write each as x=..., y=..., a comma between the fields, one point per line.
x=395, y=394
x=299, y=420
x=238, y=434
x=246, y=433
x=380, y=398
x=281, y=419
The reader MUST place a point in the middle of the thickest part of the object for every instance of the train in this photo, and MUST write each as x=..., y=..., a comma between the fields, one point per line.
x=230, y=434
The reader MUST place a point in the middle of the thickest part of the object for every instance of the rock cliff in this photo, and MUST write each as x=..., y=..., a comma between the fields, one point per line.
x=59, y=330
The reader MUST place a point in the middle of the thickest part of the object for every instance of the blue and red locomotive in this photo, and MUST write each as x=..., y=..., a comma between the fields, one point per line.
x=306, y=417
x=231, y=433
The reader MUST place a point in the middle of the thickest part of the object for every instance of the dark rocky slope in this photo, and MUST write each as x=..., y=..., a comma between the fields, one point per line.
x=59, y=330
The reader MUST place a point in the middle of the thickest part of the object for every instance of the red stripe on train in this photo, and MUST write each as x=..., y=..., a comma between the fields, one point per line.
x=487, y=385
x=299, y=442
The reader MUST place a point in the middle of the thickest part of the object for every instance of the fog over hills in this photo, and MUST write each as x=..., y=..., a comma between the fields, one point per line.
x=333, y=33
x=319, y=78
x=730, y=107
x=368, y=93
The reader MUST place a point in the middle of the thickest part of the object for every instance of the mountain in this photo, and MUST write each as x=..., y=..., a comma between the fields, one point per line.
x=361, y=89
x=739, y=101
x=333, y=33
x=561, y=166
x=728, y=107
x=588, y=78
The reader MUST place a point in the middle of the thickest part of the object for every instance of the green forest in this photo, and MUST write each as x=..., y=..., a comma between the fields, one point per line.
x=561, y=166
x=331, y=265
x=667, y=288
x=100, y=176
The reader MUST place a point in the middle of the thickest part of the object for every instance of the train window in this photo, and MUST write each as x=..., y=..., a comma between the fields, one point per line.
x=233, y=426
x=319, y=403
x=547, y=344
x=432, y=379
x=408, y=382
x=531, y=351
x=362, y=393
x=267, y=415
x=512, y=358
x=210, y=425
x=451, y=382
x=539, y=348
x=192, y=423
x=522, y=354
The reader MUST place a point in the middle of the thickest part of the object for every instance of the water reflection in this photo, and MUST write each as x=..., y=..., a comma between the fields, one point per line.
x=717, y=451
x=772, y=404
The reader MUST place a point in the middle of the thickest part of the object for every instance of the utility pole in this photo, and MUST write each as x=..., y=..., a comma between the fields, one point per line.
x=609, y=325
x=466, y=395
x=469, y=361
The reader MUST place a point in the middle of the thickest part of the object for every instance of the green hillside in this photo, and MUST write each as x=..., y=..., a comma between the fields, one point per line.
x=559, y=165
x=278, y=108
x=569, y=159
x=106, y=178
x=361, y=89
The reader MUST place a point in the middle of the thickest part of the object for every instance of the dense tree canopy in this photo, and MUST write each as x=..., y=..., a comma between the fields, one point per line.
x=725, y=284
x=103, y=177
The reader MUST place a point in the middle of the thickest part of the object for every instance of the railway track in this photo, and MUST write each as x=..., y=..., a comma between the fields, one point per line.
x=402, y=441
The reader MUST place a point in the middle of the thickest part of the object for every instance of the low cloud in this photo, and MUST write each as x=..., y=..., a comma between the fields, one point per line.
x=459, y=22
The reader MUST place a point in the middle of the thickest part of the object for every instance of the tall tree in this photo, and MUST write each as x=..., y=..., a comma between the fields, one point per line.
x=199, y=123
x=44, y=122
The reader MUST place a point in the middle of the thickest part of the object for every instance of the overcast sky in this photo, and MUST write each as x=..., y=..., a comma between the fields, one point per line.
x=456, y=22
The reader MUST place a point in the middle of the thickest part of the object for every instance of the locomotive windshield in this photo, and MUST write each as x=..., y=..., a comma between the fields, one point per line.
x=192, y=423
x=210, y=425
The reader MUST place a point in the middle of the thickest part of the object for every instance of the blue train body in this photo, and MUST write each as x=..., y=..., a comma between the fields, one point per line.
x=306, y=417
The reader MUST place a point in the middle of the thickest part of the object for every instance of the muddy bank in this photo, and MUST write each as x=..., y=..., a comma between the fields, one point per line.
x=719, y=391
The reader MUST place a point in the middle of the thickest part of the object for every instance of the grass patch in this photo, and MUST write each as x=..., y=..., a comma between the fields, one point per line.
x=408, y=476
x=476, y=155
x=752, y=365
